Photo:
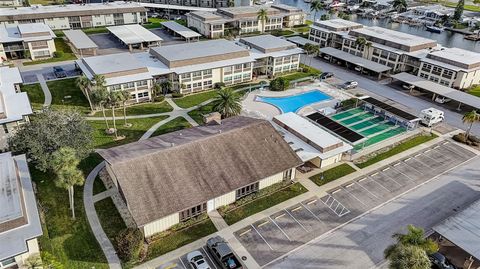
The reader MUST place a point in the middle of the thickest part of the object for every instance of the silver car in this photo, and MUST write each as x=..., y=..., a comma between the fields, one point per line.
x=197, y=260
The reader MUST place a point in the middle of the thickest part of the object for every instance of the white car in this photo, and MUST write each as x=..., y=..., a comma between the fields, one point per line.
x=442, y=99
x=358, y=68
x=197, y=261
x=350, y=84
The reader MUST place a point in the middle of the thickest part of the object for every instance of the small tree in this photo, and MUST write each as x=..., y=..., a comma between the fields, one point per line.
x=279, y=84
x=114, y=98
x=227, y=103
x=156, y=90
x=124, y=97
x=262, y=16
x=83, y=83
x=315, y=7
x=311, y=50
x=65, y=165
x=457, y=15
x=33, y=262
x=129, y=244
x=166, y=86
x=409, y=257
x=100, y=98
x=470, y=118
x=49, y=261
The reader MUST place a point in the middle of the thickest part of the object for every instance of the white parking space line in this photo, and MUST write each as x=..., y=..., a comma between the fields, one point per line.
x=366, y=188
x=296, y=220
x=311, y=212
x=407, y=159
x=261, y=237
x=209, y=259
x=355, y=197
x=280, y=229
x=392, y=179
x=398, y=170
x=184, y=266
x=338, y=205
x=379, y=184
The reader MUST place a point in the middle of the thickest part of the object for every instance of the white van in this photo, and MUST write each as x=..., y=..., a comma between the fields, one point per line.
x=431, y=116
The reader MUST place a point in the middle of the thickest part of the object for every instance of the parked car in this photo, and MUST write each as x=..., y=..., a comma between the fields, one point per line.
x=59, y=72
x=408, y=87
x=326, y=75
x=326, y=57
x=196, y=260
x=358, y=68
x=351, y=84
x=440, y=261
x=222, y=253
x=442, y=99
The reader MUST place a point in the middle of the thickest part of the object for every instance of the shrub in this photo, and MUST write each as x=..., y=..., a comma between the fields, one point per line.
x=177, y=95
x=129, y=244
x=219, y=85
x=349, y=103
x=279, y=84
x=58, y=54
x=160, y=98
x=459, y=138
x=300, y=25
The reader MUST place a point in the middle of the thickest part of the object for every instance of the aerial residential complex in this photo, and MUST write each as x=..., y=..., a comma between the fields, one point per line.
x=31, y=40
x=183, y=189
x=203, y=3
x=76, y=16
x=193, y=67
x=398, y=52
x=213, y=24
x=19, y=220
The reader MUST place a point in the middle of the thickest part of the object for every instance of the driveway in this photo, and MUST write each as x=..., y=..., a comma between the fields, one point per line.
x=30, y=75
x=413, y=103
x=276, y=235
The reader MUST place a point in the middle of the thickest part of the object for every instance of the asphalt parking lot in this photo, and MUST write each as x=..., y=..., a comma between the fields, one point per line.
x=47, y=73
x=285, y=230
x=182, y=262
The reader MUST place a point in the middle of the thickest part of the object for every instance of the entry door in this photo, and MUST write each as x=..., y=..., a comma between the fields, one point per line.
x=211, y=205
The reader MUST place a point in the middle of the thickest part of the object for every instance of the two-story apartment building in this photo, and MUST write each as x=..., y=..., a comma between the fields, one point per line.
x=19, y=220
x=330, y=33
x=174, y=188
x=214, y=24
x=31, y=40
x=11, y=3
x=75, y=16
x=202, y=3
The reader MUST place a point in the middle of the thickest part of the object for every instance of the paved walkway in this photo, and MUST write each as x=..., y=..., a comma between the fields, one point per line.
x=46, y=91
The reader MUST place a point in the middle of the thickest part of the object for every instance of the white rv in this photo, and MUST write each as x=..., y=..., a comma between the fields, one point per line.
x=431, y=116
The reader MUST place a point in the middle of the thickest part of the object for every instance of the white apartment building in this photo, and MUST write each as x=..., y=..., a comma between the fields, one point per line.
x=75, y=16
x=193, y=67
x=214, y=24
x=329, y=33
x=31, y=40
x=19, y=220
x=11, y=3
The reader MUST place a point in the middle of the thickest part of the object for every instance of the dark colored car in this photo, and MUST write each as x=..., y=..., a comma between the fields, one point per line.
x=59, y=72
x=326, y=75
x=440, y=262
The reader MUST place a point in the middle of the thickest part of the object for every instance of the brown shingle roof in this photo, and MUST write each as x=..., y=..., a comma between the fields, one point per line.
x=172, y=172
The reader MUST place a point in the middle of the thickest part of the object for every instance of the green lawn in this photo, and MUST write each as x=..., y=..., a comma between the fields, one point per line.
x=95, y=30
x=71, y=242
x=61, y=89
x=263, y=203
x=111, y=220
x=176, y=124
x=35, y=94
x=475, y=91
x=180, y=238
x=194, y=99
x=284, y=32
x=197, y=114
x=332, y=174
x=60, y=45
x=140, y=126
x=473, y=8
x=410, y=143
x=310, y=71
x=139, y=109
x=154, y=23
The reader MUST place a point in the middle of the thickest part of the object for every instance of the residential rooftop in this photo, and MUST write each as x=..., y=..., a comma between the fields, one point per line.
x=55, y=11
x=287, y=8
x=338, y=25
x=19, y=219
x=79, y=39
x=180, y=29
x=457, y=57
x=247, y=11
x=207, y=16
x=25, y=32
x=13, y=105
x=227, y=156
x=112, y=65
x=267, y=43
x=392, y=38
x=133, y=34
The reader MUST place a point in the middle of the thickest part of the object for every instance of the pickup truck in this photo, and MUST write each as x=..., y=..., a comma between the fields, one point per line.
x=222, y=253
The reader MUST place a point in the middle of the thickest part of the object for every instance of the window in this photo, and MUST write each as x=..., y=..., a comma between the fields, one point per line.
x=287, y=175
x=142, y=83
x=39, y=44
x=197, y=74
x=447, y=73
x=6, y=262
x=143, y=95
x=193, y=212
x=129, y=85
x=242, y=192
x=186, y=75
x=115, y=87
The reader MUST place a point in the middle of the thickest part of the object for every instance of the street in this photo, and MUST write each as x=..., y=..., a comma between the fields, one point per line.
x=360, y=244
x=414, y=103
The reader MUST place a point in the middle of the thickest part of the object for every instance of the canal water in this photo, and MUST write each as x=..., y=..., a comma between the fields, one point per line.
x=446, y=38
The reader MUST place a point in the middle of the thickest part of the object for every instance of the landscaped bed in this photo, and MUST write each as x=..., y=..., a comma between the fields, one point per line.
x=405, y=145
x=267, y=198
x=332, y=174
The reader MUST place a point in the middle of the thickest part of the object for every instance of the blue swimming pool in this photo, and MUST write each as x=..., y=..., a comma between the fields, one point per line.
x=292, y=103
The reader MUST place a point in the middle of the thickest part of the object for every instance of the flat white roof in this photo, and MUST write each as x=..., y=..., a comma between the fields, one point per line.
x=302, y=41
x=313, y=133
x=13, y=105
x=267, y=41
x=463, y=229
x=79, y=39
x=15, y=192
x=338, y=23
x=457, y=55
x=111, y=63
x=133, y=34
x=393, y=36
x=13, y=33
x=180, y=29
x=176, y=7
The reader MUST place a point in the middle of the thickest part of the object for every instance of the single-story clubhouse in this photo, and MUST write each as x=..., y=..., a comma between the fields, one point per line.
x=173, y=177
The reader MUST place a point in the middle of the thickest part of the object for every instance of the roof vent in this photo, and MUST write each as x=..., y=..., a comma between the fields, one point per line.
x=172, y=144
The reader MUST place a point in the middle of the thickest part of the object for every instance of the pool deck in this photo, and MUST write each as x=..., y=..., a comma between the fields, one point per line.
x=263, y=110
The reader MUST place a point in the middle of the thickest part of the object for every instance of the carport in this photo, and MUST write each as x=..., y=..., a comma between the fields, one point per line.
x=355, y=60
x=438, y=89
x=81, y=43
x=178, y=29
x=390, y=113
x=135, y=36
x=462, y=229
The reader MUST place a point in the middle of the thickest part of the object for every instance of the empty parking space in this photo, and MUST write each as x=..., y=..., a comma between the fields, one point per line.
x=258, y=247
x=385, y=181
x=307, y=219
x=289, y=226
x=366, y=197
x=323, y=212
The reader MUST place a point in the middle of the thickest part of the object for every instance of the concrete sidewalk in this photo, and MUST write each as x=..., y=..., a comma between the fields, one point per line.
x=46, y=90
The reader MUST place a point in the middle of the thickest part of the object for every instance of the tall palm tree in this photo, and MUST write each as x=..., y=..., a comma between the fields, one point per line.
x=83, y=83
x=262, y=16
x=125, y=96
x=156, y=89
x=98, y=81
x=114, y=98
x=100, y=98
x=227, y=103
x=166, y=86
x=416, y=236
x=65, y=164
x=315, y=7
x=470, y=118
x=311, y=50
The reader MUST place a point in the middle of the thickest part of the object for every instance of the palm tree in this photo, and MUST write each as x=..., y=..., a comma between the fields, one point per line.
x=166, y=86
x=470, y=118
x=65, y=164
x=415, y=236
x=156, y=89
x=227, y=103
x=400, y=5
x=125, y=96
x=311, y=50
x=409, y=257
x=98, y=81
x=100, y=98
x=114, y=99
x=83, y=83
x=315, y=7
x=262, y=16
x=33, y=262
